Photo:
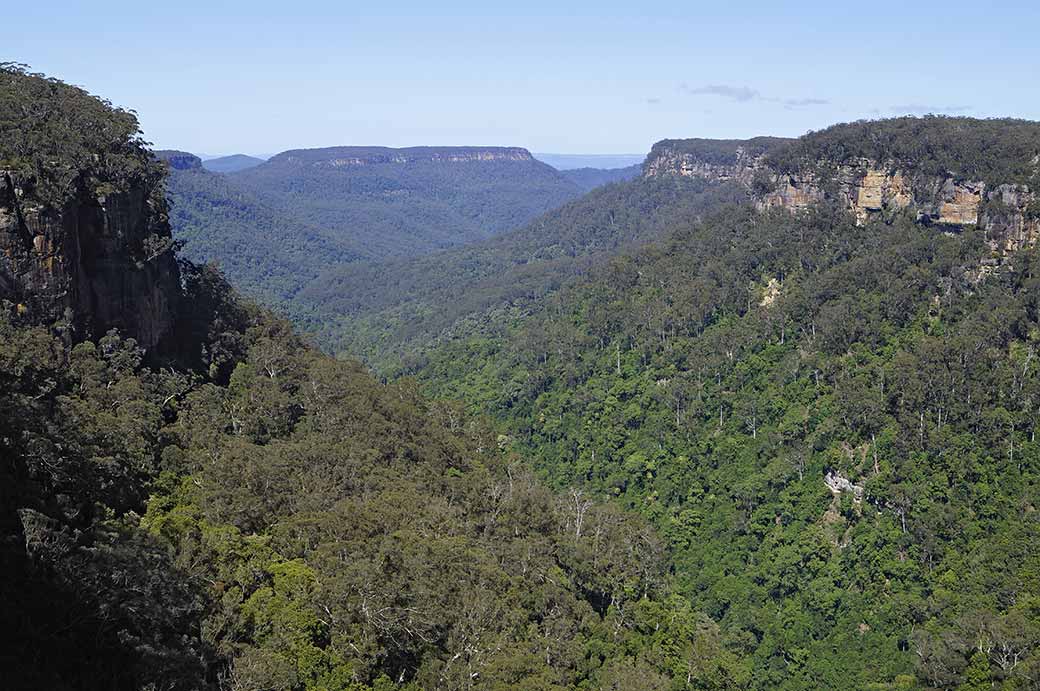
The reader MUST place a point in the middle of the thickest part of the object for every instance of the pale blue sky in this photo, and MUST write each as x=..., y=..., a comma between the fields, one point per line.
x=576, y=77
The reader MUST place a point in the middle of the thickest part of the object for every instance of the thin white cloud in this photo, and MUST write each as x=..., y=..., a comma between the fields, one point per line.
x=745, y=94
x=741, y=94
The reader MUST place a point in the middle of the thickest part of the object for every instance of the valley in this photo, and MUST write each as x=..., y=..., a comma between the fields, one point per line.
x=278, y=225
x=748, y=414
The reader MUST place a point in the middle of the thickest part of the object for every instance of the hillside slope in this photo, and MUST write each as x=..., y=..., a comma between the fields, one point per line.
x=266, y=253
x=389, y=312
x=830, y=415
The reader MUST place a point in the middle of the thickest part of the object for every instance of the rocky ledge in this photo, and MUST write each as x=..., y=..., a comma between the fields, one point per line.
x=1009, y=213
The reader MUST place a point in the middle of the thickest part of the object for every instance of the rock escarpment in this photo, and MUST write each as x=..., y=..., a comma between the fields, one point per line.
x=870, y=188
x=1007, y=210
x=92, y=263
x=349, y=156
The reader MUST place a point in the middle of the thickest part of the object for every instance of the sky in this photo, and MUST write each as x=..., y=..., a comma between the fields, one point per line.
x=226, y=76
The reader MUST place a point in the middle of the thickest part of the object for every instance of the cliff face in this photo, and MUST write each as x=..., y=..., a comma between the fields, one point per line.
x=1007, y=212
x=342, y=156
x=94, y=264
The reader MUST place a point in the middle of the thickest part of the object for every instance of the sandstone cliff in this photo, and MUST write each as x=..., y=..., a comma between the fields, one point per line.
x=94, y=263
x=1007, y=210
x=343, y=156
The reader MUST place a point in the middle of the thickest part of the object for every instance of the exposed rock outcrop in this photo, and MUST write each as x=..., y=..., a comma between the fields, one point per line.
x=1007, y=212
x=838, y=483
x=344, y=156
x=94, y=264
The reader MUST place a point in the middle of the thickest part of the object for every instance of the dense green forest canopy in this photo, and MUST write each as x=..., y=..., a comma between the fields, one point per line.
x=995, y=151
x=833, y=426
x=589, y=179
x=267, y=253
x=718, y=151
x=57, y=136
x=389, y=312
x=289, y=523
x=695, y=446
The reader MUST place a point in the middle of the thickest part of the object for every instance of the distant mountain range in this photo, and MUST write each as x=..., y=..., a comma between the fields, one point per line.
x=276, y=225
x=590, y=178
x=234, y=162
x=603, y=161
x=292, y=229
x=231, y=164
x=402, y=202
